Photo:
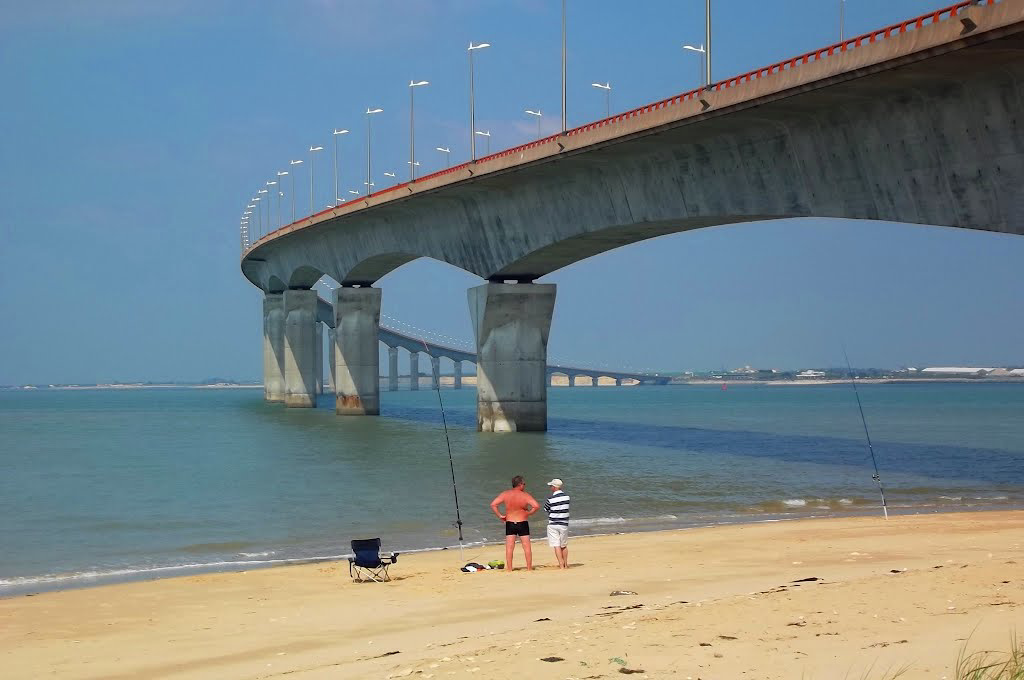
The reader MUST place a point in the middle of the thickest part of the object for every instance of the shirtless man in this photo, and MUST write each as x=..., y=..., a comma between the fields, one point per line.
x=519, y=505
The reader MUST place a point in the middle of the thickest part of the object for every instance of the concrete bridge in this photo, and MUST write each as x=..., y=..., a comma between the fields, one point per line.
x=395, y=340
x=918, y=122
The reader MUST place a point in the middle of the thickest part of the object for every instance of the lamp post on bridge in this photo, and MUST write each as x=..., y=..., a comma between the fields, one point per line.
x=703, y=53
x=842, y=17
x=448, y=153
x=273, y=183
x=607, y=87
x=707, y=42
x=280, y=194
x=538, y=115
x=472, y=103
x=298, y=162
x=369, y=141
x=259, y=215
x=265, y=204
x=312, y=150
x=412, y=126
x=565, y=125
x=487, y=134
x=249, y=208
x=335, y=135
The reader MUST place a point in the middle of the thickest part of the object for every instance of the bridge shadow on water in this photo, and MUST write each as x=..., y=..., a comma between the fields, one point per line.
x=997, y=467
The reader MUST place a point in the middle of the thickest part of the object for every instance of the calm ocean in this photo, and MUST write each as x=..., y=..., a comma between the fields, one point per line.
x=105, y=485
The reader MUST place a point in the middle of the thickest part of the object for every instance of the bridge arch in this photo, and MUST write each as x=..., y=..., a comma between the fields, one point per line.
x=275, y=285
x=304, y=277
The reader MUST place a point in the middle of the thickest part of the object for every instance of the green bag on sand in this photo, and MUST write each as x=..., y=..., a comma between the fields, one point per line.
x=496, y=564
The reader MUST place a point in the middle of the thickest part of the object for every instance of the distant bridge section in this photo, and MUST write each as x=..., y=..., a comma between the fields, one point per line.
x=395, y=339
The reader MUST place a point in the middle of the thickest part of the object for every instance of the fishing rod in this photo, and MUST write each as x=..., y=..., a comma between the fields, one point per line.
x=867, y=435
x=448, y=441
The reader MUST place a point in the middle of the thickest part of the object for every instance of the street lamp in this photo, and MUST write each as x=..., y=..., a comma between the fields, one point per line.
x=299, y=162
x=353, y=191
x=539, y=115
x=267, y=204
x=389, y=174
x=472, y=110
x=446, y=150
x=703, y=53
x=335, y=135
x=842, y=16
x=249, y=209
x=564, y=123
x=259, y=213
x=312, y=167
x=270, y=184
x=412, y=127
x=487, y=134
x=607, y=87
x=707, y=41
x=369, y=140
x=280, y=194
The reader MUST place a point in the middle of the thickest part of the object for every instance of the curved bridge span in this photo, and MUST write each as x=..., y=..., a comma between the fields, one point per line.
x=916, y=122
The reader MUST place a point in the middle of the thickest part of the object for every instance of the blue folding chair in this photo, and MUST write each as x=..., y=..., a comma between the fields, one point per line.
x=367, y=560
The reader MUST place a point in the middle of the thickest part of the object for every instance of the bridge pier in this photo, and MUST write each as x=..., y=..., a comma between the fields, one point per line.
x=511, y=322
x=319, y=358
x=458, y=375
x=331, y=364
x=357, y=359
x=414, y=370
x=435, y=370
x=300, y=348
x=392, y=368
x=618, y=382
x=273, y=347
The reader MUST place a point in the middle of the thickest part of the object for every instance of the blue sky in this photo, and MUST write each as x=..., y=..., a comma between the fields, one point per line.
x=135, y=132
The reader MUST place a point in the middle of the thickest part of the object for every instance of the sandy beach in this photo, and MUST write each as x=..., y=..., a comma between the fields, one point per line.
x=816, y=599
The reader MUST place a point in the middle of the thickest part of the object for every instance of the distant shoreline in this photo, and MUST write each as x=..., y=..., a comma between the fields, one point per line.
x=133, y=386
x=861, y=381
x=447, y=382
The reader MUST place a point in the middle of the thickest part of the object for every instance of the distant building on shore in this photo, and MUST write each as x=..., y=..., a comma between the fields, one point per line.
x=961, y=371
x=810, y=375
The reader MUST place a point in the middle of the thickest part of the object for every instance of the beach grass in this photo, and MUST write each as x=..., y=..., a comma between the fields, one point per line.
x=990, y=665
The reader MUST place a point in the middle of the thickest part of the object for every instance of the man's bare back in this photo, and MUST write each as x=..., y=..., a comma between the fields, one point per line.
x=518, y=505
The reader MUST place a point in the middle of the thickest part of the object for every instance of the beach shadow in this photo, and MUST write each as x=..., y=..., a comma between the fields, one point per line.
x=393, y=579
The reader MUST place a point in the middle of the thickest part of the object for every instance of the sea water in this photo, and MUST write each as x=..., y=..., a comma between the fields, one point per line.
x=106, y=485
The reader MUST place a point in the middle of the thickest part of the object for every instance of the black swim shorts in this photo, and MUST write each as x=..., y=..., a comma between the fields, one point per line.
x=517, y=528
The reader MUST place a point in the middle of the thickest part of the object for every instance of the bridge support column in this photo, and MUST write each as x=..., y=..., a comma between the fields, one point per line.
x=319, y=358
x=273, y=347
x=618, y=382
x=414, y=370
x=511, y=322
x=392, y=369
x=357, y=359
x=435, y=370
x=458, y=375
x=331, y=364
x=300, y=348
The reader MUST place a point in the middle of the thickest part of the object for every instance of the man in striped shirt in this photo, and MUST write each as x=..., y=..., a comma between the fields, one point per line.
x=557, y=508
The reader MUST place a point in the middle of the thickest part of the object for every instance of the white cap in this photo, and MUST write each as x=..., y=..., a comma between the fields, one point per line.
x=555, y=482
